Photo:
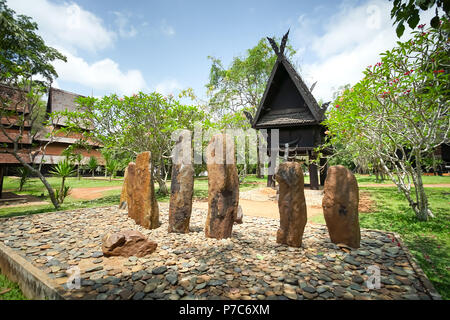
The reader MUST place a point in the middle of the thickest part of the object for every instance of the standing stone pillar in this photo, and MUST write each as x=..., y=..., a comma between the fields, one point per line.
x=124, y=194
x=142, y=205
x=182, y=185
x=291, y=204
x=340, y=206
x=223, y=187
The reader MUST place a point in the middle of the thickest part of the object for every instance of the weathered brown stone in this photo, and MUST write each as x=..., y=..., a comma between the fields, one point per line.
x=127, y=243
x=124, y=195
x=223, y=187
x=142, y=205
x=239, y=216
x=340, y=206
x=291, y=204
x=182, y=188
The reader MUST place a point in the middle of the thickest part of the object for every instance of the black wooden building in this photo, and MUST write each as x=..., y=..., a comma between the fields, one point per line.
x=289, y=106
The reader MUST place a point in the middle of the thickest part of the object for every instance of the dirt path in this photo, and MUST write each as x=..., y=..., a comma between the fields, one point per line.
x=91, y=193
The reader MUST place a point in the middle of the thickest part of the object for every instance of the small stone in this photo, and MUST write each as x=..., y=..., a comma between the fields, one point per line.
x=92, y=269
x=102, y=296
x=349, y=259
x=322, y=289
x=97, y=254
x=308, y=295
x=150, y=287
x=357, y=279
x=309, y=289
x=348, y=296
x=172, y=278
x=159, y=270
x=138, y=296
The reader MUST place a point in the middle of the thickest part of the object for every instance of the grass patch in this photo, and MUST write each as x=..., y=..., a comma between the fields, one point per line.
x=366, y=179
x=14, y=294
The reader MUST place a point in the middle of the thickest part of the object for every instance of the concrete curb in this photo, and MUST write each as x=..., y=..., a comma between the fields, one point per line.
x=34, y=283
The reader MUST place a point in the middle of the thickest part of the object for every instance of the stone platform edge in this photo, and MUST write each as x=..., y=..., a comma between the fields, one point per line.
x=33, y=282
x=422, y=277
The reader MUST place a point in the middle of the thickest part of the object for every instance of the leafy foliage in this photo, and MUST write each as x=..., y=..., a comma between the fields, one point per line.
x=24, y=174
x=398, y=113
x=141, y=122
x=92, y=165
x=63, y=169
x=24, y=56
x=407, y=11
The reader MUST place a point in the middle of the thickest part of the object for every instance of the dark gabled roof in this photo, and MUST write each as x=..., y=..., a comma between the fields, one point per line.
x=308, y=114
x=61, y=100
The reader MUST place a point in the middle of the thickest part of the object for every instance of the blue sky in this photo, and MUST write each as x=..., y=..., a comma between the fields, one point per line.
x=126, y=46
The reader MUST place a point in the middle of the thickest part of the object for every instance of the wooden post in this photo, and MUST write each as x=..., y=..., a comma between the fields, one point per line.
x=313, y=176
x=323, y=171
x=271, y=171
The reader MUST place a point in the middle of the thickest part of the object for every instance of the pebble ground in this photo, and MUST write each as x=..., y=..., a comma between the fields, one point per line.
x=248, y=266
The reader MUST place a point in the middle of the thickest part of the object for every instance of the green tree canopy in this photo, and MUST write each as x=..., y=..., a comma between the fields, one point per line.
x=399, y=112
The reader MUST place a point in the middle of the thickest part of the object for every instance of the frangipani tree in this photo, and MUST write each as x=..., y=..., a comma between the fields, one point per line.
x=399, y=112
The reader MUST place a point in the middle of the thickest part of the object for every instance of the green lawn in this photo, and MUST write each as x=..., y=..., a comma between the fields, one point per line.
x=13, y=294
x=366, y=179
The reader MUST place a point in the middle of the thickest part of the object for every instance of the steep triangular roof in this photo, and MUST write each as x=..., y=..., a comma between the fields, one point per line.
x=305, y=110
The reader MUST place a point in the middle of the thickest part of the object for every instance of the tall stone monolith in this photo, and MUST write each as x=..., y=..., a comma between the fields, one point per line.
x=142, y=205
x=182, y=185
x=340, y=206
x=223, y=187
x=291, y=204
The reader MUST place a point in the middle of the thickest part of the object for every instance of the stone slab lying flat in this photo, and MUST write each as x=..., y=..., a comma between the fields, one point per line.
x=250, y=265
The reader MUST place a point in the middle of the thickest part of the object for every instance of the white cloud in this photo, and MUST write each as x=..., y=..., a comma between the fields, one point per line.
x=66, y=24
x=68, y=27
x=123, y=23
x=103, y=75
x=167, y=29
x=168, y=86
x=353, y=38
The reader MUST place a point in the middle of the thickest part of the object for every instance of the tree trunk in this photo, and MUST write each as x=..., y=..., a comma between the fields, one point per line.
x=259, y=170
x=47, y=185
x=162, y=185
x=93, y=173
x=422, y=211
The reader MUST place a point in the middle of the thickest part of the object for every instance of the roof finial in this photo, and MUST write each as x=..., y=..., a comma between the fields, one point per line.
x=274, y=46
x=279, y=51
x=283, y=42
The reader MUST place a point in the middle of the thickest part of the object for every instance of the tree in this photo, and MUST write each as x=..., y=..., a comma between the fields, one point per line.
x=408, y=11
x=141, y=122
x=92, y=165
x=112, y=166
x=24, y=174
x=399, y=112
x=239, y=88
x=63, y=169
x=73, y=156
x=23, y=56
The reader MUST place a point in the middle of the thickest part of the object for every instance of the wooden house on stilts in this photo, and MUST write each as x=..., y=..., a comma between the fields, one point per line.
x=289, y=106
